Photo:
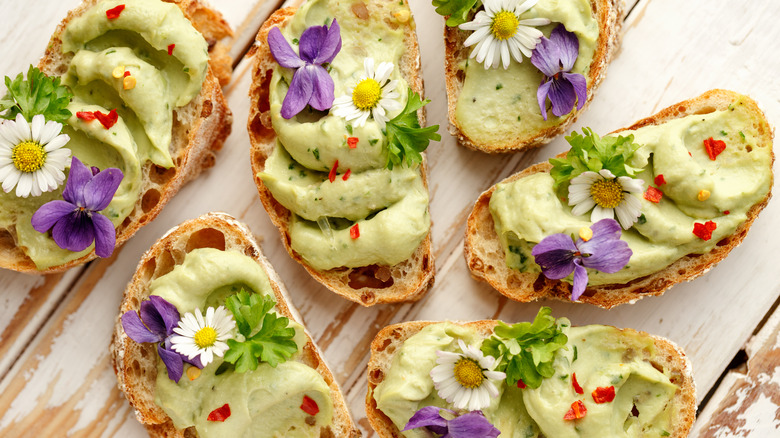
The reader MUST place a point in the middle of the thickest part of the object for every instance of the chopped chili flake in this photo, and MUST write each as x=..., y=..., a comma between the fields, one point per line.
x=521, y=384
x=714, y=147
x=127, y=73
x=726, y=212
x=107, y=120
x=704, y=231
x=689, y=154
x=660, y=180
x=653, y=194
x=352, y=142
x=575, y=384
x=332, y=174
x=577, y=411
x=309, y=406
x=113, y=13
x=347, y=174
x=354, y=232
x=170, y=48
x=86, y=116
x=220, y=414
x=604, y=394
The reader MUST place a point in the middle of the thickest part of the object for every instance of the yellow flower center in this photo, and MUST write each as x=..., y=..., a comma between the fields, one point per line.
x=28, y=156
x=205, y=337
x=607, y=193
x=504, y=25
x=468, y=373
x=366, y=94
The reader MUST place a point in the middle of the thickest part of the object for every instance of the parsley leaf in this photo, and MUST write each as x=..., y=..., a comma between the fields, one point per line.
x=458, y=10
x=267, y=335
x=39, y=94
x=526, y=350
x=589, y=152
x=406, y=139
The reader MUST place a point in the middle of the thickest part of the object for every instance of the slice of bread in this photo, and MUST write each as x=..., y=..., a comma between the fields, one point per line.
x=135, y=364
x=485, y=255
x=368, y=285
x=609, y=16
x=199, y=131
x=667, y=356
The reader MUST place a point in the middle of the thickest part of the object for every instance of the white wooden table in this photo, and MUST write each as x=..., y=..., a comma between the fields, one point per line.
x=55, y=374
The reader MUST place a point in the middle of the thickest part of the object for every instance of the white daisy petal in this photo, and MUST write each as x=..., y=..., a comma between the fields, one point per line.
x=631, y=185
x=56, y=143
x=24, y=186
x=191, y=327
x=36, y=127
x=600, y=213
x=606, y=174
x=583, y=206
x=50, y=131
x=10, y=181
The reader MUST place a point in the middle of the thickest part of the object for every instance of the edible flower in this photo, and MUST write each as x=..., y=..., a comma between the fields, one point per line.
x=449, y=424
x=607, y=196
x=466, y=379
x=201, y=337
x=559, y=255
x=311, y=84
x=500, y=34
x=155, y=325
x=373, y=95
x=32, y=156
x=76, y=221
x=704, y=231
x=555, y=57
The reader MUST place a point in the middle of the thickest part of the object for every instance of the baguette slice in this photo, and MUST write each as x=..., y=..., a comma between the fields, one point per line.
x=368, y=285
x=485, y=255
x=199, y=131
x=667, y=356
x=135, y=364
x=608, y=14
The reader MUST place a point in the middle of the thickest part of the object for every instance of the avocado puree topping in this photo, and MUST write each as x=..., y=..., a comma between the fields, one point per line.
x=528, y=209
x=498, y=105
x=264, y=402
x=390, y=207
x=136, y=42
x=605, y=356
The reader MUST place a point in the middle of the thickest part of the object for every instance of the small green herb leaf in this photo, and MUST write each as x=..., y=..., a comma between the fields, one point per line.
x=38, y=94
x=406, y=139
x=458, y=10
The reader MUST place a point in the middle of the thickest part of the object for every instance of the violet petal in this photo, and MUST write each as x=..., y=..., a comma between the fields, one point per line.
x=173, y=362
x=78, y=176
x=49, y=213
x=546, y=57
x=74, y=232
x=281, y=50
x=556, y=264
x=322, y=95
x=580, y=280
x=152, y=319
x=331, y=46
x=167, y=311
x=195, y=361
x=611, y=257
x=553, y=242
x=430, y=418
x=562, y=96
x=136, y=330
x=105, y=235
x=472, y=424
x=299, y=93
x=99, y=192
x=541, y=97
x=568, y=46
x=580, y=87
x=310, y=43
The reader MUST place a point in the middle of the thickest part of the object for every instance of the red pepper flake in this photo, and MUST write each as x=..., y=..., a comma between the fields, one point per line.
x=577, y=411
x=86, y=116
x=113, y=13
x=660, y=180
x=107, y=120
x=354, y=232
x=704, y=231
x=726, y=212
x=604, y=394
x=653, y=194
x=352, y=142
x=332, y=174
x=575, y=384
x=170, y=48
x=689, y=154
x=127, y=73
x=521, y=384
x=220, y=414
x=309, y=406
x=347, y=174
x=714, y=147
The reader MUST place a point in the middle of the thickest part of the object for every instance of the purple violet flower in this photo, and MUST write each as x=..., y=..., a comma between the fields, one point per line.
x=311, y=83
x=155, y=325
x=559, y=255
x=448, y=424
x=555, y=57
x=76, y=220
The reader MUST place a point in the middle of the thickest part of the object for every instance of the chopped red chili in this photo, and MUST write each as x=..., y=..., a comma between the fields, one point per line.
x=220, y=414
x=521, y=384
x=354, y=232
x=170, y=48
x=86, y=116
x=604, y=394
x=127, y=73
x=577, y=411
x=726, y=212
x=660, y=180
x=309, y=406
x=704, y=231
x=575, y=384
x=347, y=174
x=332, y=174
x=653, y=194
x=107, y=120
x=113, y=13
x=714, y=147
x=352, y=142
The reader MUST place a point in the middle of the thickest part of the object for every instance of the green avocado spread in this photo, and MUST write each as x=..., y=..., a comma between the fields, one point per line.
x=388, y=207
x=264, y=402
x=137, y=43
x=497, y=105
x=600, y=356
x=528, y=209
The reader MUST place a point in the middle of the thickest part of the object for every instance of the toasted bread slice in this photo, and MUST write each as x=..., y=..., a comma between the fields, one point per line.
x=608, y=14
x=485, y=255
x=199, y=131
x=135, y=364
x=667, y=356
x=368, y=285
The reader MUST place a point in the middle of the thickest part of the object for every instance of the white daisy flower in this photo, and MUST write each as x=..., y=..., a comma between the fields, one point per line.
x=374, y=95
x=467, y=379
x=204, y=337
x=606, y=195
x=501, y=35
x=32, y=156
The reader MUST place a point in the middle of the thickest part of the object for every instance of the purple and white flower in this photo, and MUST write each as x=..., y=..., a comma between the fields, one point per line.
x=555, y=57
x=449, y=424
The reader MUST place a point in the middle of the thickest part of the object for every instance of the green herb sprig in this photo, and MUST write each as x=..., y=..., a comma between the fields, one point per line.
x=458, y=10
x=406, y=139
x=526, y=350
x=38, y=94
x=589, y=152
x=267, y=335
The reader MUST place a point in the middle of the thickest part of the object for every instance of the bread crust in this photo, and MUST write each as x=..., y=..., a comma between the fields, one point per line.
x=390, y=338
x=410, y=278
x=485, y=255
x=199, y=132
x=609, y=15
x=135, y=365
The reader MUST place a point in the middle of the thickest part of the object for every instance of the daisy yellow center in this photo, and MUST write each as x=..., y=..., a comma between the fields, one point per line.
x=607, y=193
x=205, y=337
x=468, y=373
x=366, y=94
x=28, y=156
x=504, y=25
